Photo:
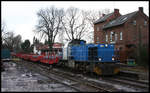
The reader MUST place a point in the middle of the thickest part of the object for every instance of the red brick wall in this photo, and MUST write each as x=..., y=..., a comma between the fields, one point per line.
x=130, y=32
x=116, y=30
x=133, y=31
x=101, y=34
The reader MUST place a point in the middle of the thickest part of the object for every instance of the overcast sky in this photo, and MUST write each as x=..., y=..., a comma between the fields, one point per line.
x=21, y=17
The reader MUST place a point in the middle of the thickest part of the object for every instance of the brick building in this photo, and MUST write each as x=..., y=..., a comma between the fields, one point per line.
x=122, y=30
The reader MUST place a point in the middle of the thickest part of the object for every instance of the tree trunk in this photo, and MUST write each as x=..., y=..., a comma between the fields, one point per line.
x=50, y=45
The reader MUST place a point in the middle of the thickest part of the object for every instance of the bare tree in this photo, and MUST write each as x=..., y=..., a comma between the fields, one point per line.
x=17, y=43
x=35, y=41
x=8, y=41
x=91, y=17
x=74, y=23
x=3, y=31
x=61, y=36
x=3, y=27
x=11, y=41
x=49, y=23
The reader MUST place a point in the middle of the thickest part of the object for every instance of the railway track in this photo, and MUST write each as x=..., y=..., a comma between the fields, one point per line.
x=72, y=82
x=138, y=85
x=42, y=72
x=130, y=83
x=127, y=81
x=82, y=81
x=80, y=84
x=133, y=80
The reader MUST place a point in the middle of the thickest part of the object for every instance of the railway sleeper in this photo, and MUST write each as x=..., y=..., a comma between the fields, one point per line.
x=129, y=75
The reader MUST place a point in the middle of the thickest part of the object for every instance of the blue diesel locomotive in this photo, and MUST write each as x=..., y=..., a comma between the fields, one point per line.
x=98, y=58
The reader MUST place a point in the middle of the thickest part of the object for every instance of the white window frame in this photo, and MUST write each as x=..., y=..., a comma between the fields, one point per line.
x=97, y=28
x=145, y=23
x=106, y=38
x=111, y=33
x=97, y=38
x=134, y=22
x=116, y=37
x=121, y=36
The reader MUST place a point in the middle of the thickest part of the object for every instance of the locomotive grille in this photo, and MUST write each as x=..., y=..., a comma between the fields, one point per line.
x=92, y=54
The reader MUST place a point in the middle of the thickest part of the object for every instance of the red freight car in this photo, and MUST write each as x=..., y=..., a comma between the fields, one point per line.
x=36, y=58
x=19, y=55
x=27, y=56
x=50, y=59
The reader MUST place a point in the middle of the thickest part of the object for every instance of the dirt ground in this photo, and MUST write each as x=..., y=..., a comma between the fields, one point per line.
x=16, y=78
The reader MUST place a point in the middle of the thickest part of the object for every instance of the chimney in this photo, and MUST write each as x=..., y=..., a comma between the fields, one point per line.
x=103, y=14
x=116, y=11
x=141, y=9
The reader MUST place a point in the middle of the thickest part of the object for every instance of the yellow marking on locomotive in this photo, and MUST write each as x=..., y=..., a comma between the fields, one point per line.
x=116, y=70
x=97, y=70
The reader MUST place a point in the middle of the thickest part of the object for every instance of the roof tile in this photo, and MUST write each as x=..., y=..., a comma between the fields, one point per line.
x=102, y=19
x=120, y=20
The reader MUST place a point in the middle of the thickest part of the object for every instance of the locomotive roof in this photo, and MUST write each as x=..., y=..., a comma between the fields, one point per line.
x=76, y=41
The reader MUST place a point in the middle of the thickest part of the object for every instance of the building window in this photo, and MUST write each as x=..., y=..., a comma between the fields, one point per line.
x=145, y=23
x=120, y=35
x=134, y=22
x=97, y=28
x=111, y=35
x=116, y=37
x=97, y=39
x=134, y=36
x=106, y=38
x=120, y=48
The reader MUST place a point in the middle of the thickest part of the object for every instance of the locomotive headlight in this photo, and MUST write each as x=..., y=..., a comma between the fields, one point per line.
x=106, y=45
x=99, y=59
x=113, y=58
